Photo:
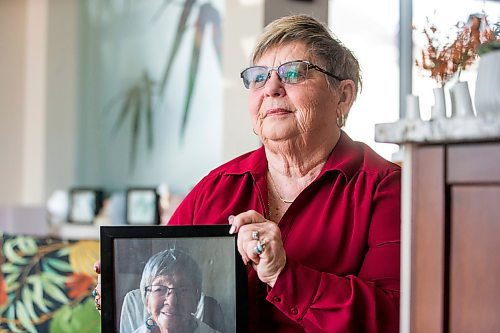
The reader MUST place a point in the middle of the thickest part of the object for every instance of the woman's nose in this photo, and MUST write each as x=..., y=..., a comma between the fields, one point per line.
x=274, y=87
x=171, y=297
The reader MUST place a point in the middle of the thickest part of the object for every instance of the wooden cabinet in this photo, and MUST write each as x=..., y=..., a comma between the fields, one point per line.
x=455, y=237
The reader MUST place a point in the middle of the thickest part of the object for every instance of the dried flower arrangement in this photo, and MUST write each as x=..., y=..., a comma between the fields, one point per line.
x=443, y=61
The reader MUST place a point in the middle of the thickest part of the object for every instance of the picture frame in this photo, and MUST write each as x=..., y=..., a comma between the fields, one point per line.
x=142, y=206
x=127, y=250
x=84, y=205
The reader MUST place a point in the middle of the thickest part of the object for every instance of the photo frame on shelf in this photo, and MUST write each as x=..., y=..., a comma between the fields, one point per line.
x=84, y=205
x=146, y=264
x=142, y=206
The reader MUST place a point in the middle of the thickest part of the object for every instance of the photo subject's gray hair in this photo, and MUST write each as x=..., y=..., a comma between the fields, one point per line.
x=326, y=49
x=167, y=263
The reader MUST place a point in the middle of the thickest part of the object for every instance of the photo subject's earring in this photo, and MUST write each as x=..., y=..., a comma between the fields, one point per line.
x=150, y=323
x=253, y=129
x=341, y=120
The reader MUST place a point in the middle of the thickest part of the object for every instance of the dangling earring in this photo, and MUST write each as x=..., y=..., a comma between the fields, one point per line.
x=253, y=129
x=341, y=120
x=150, y=323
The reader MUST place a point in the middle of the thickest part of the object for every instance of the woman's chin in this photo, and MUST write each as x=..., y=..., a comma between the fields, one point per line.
x=170, y=321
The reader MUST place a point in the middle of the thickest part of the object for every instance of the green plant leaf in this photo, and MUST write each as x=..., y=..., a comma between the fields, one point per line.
x=28, y=302
x=37, y=295
x=46, y=267
x=57, y=279
x=179, y=34
x=11, y=316
x=11, y=254
x=63, y=252
x=60, y=265
x=12, y=286
x=81, y=318
x=27, y=245
x=53, y=291
x=149, y=109
x=10, y=268
x=136, y=121
x=11, y=278
x=23, y=317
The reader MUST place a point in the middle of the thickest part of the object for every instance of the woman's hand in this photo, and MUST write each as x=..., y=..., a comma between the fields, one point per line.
x=97, y=290
x=259, y=242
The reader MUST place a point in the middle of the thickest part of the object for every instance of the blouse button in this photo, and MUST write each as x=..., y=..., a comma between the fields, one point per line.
x=294, y=311
x=277, y=299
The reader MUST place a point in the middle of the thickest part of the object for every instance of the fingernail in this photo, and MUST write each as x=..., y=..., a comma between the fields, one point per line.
x=233, y=228
x=230, y=219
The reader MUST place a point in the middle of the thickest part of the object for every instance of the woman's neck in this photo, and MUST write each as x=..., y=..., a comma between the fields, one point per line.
x=298, y=160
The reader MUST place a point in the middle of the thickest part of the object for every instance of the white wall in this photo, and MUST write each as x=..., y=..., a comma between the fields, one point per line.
x=277, y=8
x=243, y=23
x=12, y=81
x=41, y=148
x=61, y=59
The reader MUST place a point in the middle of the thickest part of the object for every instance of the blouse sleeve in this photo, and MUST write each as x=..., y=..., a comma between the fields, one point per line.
x=365, y=302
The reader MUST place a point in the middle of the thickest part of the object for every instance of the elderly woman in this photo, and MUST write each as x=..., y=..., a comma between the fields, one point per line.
x=170, y=289
x=317, y=214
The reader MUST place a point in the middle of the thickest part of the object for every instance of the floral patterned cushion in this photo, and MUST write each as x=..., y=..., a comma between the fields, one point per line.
x=46, y=285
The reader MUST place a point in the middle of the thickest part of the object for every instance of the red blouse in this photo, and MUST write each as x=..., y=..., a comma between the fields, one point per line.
x=341, y=236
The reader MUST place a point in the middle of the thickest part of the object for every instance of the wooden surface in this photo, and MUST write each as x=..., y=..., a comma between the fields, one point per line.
x=474, y=163
x=427, y=240
x=455, y=218
x=475, y=266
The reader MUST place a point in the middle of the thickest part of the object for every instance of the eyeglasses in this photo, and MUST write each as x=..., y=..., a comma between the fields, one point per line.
x=163, y=291
x=291, y=72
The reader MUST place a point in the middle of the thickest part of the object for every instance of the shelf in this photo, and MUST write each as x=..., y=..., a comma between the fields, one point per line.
x=444, y=130
x=75, y=231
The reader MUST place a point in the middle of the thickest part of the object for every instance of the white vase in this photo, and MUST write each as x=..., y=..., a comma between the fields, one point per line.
x=412, y=107
x=439, y=107
x=487, y=97
x=461, y=103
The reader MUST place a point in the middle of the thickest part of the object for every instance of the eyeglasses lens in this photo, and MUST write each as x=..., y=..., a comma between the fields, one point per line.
x=290, y=73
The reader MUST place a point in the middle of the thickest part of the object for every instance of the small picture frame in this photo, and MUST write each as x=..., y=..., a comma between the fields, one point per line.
x=142, y=266
x=142, y=206
x=85, y=204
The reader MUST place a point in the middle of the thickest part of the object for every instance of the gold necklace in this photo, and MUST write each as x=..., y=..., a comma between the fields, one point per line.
x=276, y=190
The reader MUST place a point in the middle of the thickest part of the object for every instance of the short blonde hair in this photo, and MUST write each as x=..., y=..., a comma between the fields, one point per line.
x=325, y=48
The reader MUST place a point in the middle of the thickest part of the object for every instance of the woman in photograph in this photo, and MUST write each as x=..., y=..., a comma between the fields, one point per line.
x=170, y=289
x=317, y=214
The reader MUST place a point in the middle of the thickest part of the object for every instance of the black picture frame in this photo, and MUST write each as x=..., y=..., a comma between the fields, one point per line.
x=126, y=249
x=84, y=204
x=142, y=206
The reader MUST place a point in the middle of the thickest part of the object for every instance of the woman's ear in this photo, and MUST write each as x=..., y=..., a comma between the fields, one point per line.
x=347, y=95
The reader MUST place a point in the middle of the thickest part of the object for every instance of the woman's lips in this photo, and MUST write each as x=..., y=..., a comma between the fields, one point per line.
x=277, y=112
x=170, y=314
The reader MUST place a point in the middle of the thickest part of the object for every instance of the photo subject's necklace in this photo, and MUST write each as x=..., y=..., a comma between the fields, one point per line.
x=276, y=190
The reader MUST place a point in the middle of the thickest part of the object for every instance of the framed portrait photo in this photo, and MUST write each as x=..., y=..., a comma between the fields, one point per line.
x=142, y=206
x=84, y=204
x=178, y=278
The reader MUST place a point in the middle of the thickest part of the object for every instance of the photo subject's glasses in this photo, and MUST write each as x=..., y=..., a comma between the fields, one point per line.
x=162, y=291
x=291, y=72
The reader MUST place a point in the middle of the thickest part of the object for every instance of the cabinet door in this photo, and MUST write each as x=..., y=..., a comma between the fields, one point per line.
x=428, y=240
x=474, y=259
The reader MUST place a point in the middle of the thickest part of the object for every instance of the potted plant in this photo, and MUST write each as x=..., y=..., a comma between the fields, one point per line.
x=445, y=61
